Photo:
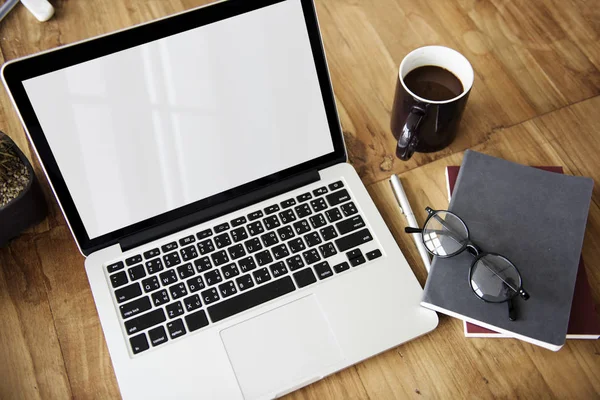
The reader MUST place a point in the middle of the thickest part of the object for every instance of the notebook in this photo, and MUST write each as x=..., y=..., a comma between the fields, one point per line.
x=537, y=220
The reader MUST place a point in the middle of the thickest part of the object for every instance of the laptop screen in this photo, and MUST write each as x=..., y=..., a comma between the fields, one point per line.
x=155, y=127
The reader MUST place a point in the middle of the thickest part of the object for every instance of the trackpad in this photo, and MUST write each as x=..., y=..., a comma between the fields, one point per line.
x=281, y=349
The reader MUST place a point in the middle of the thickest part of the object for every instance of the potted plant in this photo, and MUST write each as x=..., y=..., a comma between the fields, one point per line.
x=22, y=202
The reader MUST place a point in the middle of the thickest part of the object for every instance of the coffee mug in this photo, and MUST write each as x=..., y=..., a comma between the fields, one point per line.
x=433, y=85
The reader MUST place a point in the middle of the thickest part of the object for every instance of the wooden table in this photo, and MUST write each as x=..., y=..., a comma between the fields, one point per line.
x=535, y=101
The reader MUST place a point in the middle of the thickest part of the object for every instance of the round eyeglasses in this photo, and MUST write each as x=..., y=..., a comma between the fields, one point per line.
x=493, y=277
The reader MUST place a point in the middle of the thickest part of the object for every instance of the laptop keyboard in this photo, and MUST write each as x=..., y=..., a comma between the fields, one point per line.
x=185, y=285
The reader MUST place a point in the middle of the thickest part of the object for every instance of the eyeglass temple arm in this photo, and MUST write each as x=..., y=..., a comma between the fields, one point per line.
x=512, y=311
x=410, y=229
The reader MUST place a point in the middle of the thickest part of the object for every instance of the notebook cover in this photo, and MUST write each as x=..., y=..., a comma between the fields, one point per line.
x=535, y=218
x=584, y=322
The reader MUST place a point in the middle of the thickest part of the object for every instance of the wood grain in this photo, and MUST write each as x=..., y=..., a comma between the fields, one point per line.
x=535, y=101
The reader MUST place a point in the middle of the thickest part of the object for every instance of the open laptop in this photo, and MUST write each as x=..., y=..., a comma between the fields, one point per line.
x=199, y=161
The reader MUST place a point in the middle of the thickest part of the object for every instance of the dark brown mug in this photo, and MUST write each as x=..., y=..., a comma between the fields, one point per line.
x=433, y=85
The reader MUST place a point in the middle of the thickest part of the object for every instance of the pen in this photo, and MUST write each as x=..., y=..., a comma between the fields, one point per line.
x=410, y=217
x=6, y=7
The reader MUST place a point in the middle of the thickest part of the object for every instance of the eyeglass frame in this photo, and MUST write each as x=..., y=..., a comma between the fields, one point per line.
x=478, y=253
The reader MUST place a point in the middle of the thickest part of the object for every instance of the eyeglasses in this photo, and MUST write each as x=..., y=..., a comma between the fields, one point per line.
x=493, y=277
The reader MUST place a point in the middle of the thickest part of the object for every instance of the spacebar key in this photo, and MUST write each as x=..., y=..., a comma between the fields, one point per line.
x=251, y=298
x=353, y=240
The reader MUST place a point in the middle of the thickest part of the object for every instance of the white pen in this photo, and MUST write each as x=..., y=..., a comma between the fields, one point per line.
x=410, y=218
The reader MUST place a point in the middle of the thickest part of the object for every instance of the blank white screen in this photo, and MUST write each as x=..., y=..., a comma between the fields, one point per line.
x=158, y=126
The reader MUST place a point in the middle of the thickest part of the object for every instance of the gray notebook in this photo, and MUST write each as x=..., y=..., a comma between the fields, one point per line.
x=534, y=218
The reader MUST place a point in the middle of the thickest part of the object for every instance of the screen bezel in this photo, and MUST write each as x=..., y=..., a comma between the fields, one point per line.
x=17, y=71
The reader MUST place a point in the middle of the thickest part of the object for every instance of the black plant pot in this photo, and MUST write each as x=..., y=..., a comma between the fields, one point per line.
x=28, y=209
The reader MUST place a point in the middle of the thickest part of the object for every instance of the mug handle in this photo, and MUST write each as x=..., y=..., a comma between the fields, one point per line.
x=408, y=140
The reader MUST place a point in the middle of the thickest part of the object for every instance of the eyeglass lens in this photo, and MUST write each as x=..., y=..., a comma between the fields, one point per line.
x=494, y=278
x=445, y=234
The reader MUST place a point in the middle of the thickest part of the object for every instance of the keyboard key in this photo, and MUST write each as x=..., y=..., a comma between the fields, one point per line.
x=269, y=239
x=318, y=204
x=285, y=233
x=172, y=259
x=222, y=240
x=252, y=245
x=320, y=191
x=185, y=271
x=247, y=264
x=317, y=221
x=271, y=222
x=221, y=227
x=251, y=298
x=139, y=343
x=192, y=303
x=219, y=258
x=133, y=260
x=189, y=253
x=304, y=277
x=349, y=209
x=160, y=298
x=239, y=234
x=323, y=270
x=261, y=276
x=213, y=277
x=150, y=284
x=145, y=321
x=288, y=203
x=328, y=233
x=230, y=271
x=303, y=210
x=341, y=267
x=245, y=282
x=137, y=272
x=311, y=256
x=187, y=240
x=255, y=215
x=168, y=247
x=294, y=263
x=304, y=197
x=278, y=269
x=287, y=216
x=227, y=289
x=210, y=296
x=118, y=279
x=157, y=336
x=255, y=228
x=168, y=277
x=238, y=221
x=374, y=254
x=353, y=240
x=115, y=267
x=354, y=254
x=312, y=239
x=358, y=261
x=151, y=253
x=206, y=246
x=296, y=245
x=196, y=320
x=336, y=185
x=202, y=264
x=338, y=197
x=263, y=258
x=204, y=234
x=280, y=251
x=174, y=309
x=271, y=209
x=128, y=292
x=154, y=266
x=302, y=227
x=236, y=251
x=176, y=328
x=177, y=291
x=327, y=250
x=194, y=284
x=333, y=215
x=135, y=307
x=350, y=224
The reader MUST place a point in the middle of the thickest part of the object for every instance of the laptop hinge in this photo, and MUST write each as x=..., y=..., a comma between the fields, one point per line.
x=266, y=192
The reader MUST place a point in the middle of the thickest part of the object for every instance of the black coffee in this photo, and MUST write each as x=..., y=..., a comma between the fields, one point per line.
x=433, y=83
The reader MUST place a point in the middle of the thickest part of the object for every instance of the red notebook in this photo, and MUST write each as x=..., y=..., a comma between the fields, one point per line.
x=584, y=322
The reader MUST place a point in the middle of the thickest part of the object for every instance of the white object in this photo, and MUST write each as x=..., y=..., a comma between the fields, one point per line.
x=41, y=9
x=410, y=218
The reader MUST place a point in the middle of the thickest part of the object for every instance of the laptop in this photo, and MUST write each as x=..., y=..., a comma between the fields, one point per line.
x=231, y=250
